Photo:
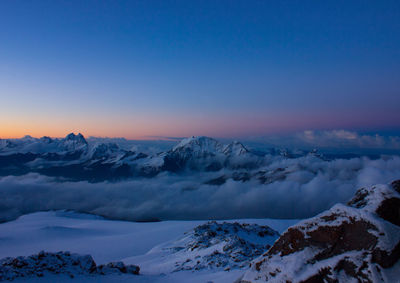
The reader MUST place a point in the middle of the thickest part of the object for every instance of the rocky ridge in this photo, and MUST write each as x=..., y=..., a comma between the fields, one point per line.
x=357, y=242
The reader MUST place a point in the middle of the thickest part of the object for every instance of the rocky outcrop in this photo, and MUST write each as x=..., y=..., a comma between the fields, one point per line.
x=59, y=263
x=223, y=245
x=354, y=242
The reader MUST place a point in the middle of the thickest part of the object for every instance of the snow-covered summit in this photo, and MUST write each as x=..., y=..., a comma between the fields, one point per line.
x=74, y=142
x=200, y=144
x=79, y=138
x=205, y=153
x=235, y=148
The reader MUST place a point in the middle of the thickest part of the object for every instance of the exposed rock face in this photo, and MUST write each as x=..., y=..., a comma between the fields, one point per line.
x=384, y=201
x=58, y=263
x=353, y=242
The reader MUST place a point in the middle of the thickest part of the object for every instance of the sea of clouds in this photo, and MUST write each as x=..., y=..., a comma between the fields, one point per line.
x=311, y=186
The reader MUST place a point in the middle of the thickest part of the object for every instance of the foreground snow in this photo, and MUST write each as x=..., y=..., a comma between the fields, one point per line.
x=142, y=244
x=356, y=242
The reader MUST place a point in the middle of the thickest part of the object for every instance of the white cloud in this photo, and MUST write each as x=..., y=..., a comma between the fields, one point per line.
x=311, y=186
x=343, y=138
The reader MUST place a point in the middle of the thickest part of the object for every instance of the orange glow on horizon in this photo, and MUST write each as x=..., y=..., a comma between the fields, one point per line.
x=155, y=127
x=140, y=128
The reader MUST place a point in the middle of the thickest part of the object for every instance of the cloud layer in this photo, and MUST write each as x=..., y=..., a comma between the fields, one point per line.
x=341, y=141
x=343, y=138
x=311, y=186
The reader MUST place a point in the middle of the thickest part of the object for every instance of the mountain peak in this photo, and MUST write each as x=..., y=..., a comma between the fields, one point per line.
x=74, y=142
x=46, y=139
x=78, y=138
x=199, y=143
x=27, y=137
x=235, y=148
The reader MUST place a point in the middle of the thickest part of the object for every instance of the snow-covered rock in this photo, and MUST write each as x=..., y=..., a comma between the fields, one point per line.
x=217, y=246
x=232, y=244
x=357, y=242
x=204, y=153
x=43, y=263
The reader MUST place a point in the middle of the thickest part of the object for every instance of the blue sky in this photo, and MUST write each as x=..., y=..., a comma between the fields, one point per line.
x=178, y=68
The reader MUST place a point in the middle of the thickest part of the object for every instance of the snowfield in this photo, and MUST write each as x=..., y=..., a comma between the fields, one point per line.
x=148, y=245
x=354, y=242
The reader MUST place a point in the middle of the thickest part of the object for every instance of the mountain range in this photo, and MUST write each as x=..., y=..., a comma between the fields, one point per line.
x=74, y=158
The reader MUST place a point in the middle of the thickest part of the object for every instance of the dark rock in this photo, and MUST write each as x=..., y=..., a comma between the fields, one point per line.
x=389, y=209
x=396, y=185
x=217, y=181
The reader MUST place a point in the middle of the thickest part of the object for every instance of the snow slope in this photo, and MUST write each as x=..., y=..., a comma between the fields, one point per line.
x=108, y=241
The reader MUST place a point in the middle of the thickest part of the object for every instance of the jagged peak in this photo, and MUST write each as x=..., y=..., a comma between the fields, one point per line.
x=72, y=137
x=200, y=142
x=236, y=148
x=46, y=139
x=27, y=137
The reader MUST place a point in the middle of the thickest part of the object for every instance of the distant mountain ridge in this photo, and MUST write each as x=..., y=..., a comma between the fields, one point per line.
x=74, y=158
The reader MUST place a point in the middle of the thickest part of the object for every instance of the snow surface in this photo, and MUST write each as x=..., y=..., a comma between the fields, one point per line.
x=110, y=241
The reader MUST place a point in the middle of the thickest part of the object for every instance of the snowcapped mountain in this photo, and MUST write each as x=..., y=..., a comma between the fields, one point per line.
x=28, y=144
x=204, y=153
x=74, y=142
x=198, y=146
x=75, y=158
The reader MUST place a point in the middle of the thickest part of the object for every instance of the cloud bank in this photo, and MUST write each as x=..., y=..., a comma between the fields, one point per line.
x=311, y=185
x=342, y=141
x=343, y=138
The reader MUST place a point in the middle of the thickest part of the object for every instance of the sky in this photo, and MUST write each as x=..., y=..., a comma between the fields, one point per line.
x=146, y=69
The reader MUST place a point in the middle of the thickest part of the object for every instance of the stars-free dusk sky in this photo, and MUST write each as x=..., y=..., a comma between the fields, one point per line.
x=143, y=69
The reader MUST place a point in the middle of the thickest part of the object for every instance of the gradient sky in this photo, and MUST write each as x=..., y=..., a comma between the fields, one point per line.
x=140, y=69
